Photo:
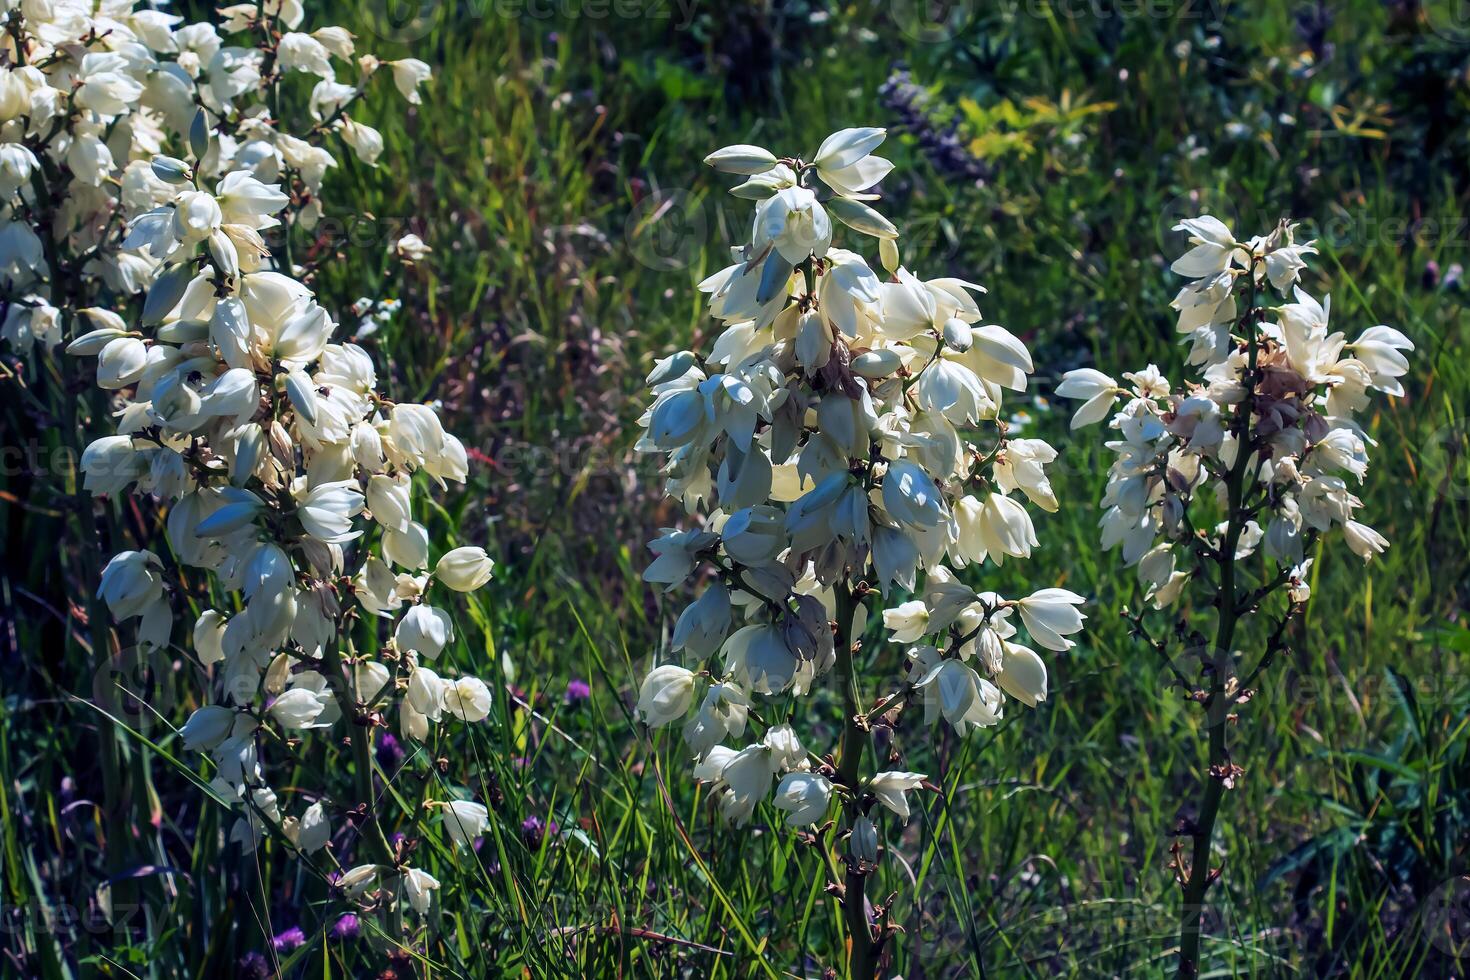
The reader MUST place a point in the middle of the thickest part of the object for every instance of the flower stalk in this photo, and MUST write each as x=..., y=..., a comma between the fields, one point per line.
x=1267, y=434
x=825, y=446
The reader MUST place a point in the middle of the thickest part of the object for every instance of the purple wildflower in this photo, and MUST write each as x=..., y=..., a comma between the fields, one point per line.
x=253, y=966
x=578, y=691
x=534, y=832
x=390, y=753
x=289, y=940
x=347, y=927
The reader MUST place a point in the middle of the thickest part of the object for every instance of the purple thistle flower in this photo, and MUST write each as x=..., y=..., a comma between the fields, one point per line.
x=347, y=927
x=578, y=691
x=289, y=940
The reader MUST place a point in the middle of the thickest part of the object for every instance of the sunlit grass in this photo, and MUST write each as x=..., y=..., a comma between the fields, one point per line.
x=535, y=169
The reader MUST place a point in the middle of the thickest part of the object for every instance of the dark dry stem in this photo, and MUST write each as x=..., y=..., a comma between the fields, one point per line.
x=862, y=956
x=362, y=763
x=1200, y=874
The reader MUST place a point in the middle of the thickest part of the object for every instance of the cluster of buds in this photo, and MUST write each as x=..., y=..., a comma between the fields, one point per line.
x=843, y=437
x=1273, y=408
x=92, y=94
x=283, y=472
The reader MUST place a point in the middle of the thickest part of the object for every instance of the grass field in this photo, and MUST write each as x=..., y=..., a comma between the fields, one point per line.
x=555, y=169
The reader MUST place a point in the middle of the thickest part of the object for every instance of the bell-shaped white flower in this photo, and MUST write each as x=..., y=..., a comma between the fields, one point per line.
x=297, y=708
x=804, y=796
x=1363, y=540
x=1022, y=674
x=314, y=829
x=793, y=223
x=748, y=775
x=419, y=886
x=891, y=789
x=703, y=626
x=207, y=727
x=425, y=630
x=464, y=569
x=465, y=821
x=131, y=582
x=1097, y=391
x=468, y=699
x=666, y=695
x=326, y=511
x=1051, y=615
x=908, y=621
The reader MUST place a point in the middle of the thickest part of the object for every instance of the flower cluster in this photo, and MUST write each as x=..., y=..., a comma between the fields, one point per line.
x=282, y=470
x=90, y=97
x=1273, y=407
x=1227, y=483
x=831, y=439
x=268, y=442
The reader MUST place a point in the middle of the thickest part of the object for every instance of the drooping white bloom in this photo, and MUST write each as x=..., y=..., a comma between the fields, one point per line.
x=297, y=708
x=419, y=886
x=326, y=512
x=908, y=621
x=131, y=582
x=1214, y=247
x=747, y=777
x=666, y=695
x=207, y=727
x=468, y=699
x=1051, y=615
x=408, y=75
x=1022, y=674
x=1097, y=391
x=794, y=224
x=425, y=630
x=465, y=821
x=804, y=796
x=1363, y=540
x=891, y=789
x=314, y=829
x=464, y=569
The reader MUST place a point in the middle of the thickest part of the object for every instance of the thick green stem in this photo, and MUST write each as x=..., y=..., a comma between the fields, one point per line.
x=862, y=957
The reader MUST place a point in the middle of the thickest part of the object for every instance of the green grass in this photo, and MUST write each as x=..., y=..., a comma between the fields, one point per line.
x=533, y=169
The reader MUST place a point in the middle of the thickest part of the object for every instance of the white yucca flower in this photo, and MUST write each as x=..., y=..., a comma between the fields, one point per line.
x=283, y=472
x=824, y=443
x=1266, y=431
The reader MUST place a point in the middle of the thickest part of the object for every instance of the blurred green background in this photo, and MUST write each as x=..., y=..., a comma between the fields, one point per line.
x=1044, y=150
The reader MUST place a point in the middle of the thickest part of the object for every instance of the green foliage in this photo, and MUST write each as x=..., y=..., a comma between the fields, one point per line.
x=554, y=168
